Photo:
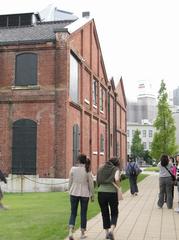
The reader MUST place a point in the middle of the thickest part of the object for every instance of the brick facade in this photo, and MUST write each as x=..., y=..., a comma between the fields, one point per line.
x=50, y=106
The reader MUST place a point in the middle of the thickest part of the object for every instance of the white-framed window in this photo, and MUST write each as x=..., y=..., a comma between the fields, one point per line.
x=145, y=145
x=144, y=133
x=133, y=131
x=128, y=146
x=150, y=133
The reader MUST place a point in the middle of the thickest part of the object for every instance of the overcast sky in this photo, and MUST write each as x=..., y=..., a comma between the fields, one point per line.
x=139, y=38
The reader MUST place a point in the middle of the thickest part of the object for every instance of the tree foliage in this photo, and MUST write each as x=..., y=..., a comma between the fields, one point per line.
x=137, y=148
x=147, y=157
x=164, y=141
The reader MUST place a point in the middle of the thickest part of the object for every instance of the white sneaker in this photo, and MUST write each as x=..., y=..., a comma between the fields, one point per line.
x=83, y=236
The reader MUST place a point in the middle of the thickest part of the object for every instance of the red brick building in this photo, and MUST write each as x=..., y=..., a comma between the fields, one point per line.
x=55, y=97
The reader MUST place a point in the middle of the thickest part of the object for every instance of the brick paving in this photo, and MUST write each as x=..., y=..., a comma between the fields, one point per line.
x=139, y=217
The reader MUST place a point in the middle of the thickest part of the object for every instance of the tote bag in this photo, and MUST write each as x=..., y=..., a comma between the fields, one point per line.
x=119, y=192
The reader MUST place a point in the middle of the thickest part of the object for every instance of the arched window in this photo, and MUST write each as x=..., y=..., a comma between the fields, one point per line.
x=76, y=142
x=24, y=147
x=26, y=69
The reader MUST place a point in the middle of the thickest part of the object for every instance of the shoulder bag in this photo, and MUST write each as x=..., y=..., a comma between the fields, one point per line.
x=173, y=176
x=119, y=192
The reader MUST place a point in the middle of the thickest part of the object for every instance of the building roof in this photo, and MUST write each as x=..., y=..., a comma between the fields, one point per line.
x=52, y=13
x=50, y=19
x=35, y=33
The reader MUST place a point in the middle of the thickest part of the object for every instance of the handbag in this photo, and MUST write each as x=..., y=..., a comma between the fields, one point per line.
x=173, y=176
x=119, y=192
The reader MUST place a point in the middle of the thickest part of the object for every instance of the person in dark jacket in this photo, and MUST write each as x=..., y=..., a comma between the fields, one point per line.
x=132, y=171
x=107, y=195
x=3, y=179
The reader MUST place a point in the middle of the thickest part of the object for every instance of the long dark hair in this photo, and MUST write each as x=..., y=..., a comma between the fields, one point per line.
x=164, y=160
x=82, y=158
x=114, y=161
x=88, y=165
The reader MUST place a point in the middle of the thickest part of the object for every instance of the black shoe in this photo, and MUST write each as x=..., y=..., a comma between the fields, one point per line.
x=71, y=238
x=110, y=236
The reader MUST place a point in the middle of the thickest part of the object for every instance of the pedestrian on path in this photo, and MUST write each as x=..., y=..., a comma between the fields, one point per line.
x=132, y=171
x=165, y=182
x=173, y=171
x=177, y=177
x=107, y=195
x=3, y=179
x=81, y=189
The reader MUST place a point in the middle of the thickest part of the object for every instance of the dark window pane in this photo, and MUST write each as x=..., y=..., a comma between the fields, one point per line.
x=26, y=69
x=101, y=143
x=26, y=19
x=76, y=142
x=3, y=21
x=13, y=20
x=24, y=147
x=94, y=92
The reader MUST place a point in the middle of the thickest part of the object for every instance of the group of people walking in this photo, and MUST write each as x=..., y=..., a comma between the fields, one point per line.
x=81, y=189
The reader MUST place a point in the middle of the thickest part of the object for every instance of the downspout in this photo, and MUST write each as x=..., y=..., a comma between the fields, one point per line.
x=115, y=125
x=109, y=139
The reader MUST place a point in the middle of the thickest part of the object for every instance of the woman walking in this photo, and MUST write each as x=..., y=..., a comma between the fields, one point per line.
x=132, y=171
x=3, y=179
x=81, y=188
x=107, y=195
x=165, y=182
x=177, y=179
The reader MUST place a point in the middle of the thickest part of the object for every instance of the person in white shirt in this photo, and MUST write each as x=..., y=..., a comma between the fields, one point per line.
x=81, y=189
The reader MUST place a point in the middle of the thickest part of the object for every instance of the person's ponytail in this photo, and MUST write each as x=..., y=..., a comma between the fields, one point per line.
x=88, y=165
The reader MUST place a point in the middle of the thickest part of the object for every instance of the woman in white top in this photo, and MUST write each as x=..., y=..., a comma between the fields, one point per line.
x=81, y=188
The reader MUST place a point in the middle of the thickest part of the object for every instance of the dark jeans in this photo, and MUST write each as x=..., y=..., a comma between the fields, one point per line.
x=133, y=184
x=108, y=201
x=74, y=200
x=166, y=186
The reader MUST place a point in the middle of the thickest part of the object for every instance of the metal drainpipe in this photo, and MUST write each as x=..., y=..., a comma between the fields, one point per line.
x=109, y=140
x=115, y=126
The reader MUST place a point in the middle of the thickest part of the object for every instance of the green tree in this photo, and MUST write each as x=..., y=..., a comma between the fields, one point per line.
x=147, y=157
x=164, y=141
x=137, y=148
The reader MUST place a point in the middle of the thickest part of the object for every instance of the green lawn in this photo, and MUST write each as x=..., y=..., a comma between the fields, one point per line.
x=152, y=169
x=41, y=216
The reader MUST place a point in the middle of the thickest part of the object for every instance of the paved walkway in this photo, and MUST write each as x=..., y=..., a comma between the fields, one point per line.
x=139, y=217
